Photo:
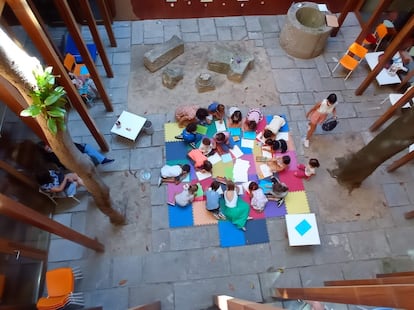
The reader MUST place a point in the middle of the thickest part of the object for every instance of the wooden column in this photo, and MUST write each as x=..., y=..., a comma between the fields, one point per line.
x=31, y=25
x=392, y=295
x=70, y=22
x=18, y=175
x=387, y=280
x=350, y=5
x=29, y=216
x=107, y=19
x=391, y=110
x=388, y=54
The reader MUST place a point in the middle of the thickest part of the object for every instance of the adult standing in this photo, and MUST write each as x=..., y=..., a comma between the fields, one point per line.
x=318, y=113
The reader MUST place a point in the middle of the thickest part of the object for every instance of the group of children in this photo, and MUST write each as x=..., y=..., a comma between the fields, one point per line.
x=221, y=143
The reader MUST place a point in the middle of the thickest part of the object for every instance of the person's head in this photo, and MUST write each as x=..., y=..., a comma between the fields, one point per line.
x=185, y=168
x=220, y=108
x=269, y=142
x=192, y=127
x=43, y=177
x=267, y=134
x=236, y=117
x=220, y=137
x=252, y=125
x=202, y=114
x=279, y=187
x=215, y=185
x=230, y=185
x=332, y=99
x=207, y=166
x=253, y=186
x=314, y=163
x=206, y=141
x=193, y=189
x=286, y=159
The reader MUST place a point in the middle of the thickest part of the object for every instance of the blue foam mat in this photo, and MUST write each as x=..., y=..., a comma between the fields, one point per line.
x=180, y=216
x=256, y=231
x=230, y=235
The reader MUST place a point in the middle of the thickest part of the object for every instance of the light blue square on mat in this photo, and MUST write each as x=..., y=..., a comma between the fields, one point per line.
x=303, y=227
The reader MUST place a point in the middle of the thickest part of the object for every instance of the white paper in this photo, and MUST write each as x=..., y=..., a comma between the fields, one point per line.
x=240, y=170
x=226, y=158
x=265, y=169
x=236, y=151
x=214, y=159
x=260, y=138
x=247, y=143
x=240, y=186
x=245, y=186
x=322, y=7
x=282, y=135
x=203, y=175
x=220, y=127
x=267, y=154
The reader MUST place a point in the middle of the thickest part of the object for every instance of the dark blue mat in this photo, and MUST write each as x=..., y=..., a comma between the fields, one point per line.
x=176, y=150
x=256, y=231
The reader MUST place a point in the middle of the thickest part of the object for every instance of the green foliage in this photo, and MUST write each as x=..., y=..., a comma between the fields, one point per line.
x=48, y=101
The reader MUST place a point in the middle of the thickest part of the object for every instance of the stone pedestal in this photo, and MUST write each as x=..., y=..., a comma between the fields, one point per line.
x=171, y=76
x=305, y=32
x=161, y=55
x=204, y=83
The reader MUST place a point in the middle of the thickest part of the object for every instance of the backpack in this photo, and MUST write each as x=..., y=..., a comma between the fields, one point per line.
x=329, y=124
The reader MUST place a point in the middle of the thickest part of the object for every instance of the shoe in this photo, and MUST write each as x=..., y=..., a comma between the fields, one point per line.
x=249, y=218
x=222, y=216
x=192, y=144
x=216, y=215
x=179, y=137
x=159, y=181
x=107, y=161
x=306, y=143
x=170, y=203
x=243, y=228
x=274, y=181
x=280, y=203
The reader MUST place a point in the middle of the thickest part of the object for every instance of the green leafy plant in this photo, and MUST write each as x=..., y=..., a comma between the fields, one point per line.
x=48, y=100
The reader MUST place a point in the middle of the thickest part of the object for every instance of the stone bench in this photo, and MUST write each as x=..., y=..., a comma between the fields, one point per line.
x=230, y=62
x=161, y=55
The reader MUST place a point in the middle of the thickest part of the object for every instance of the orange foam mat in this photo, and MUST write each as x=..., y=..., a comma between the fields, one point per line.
x=201, y=215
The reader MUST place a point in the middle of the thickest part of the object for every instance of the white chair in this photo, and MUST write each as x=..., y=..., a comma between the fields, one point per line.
x=393, y=98
x=53, y=196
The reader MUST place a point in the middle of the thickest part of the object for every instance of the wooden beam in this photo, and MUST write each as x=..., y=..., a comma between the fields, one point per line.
x=20, y=212
x=107, y=19
x=27, y=19
x=392, y=295
x=10, y=247
x=2, y=4
x=388, y=280
x=400, y=162
x=395, y=274
x=404, y=33
x=225, y=302
x=350, y=6
x=90, y=19
x=70, y=21
x=391, y=110
x=18, y=175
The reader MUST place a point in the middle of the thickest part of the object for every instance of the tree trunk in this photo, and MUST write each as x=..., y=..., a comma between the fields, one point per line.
x=354, y=169
x=16, y=66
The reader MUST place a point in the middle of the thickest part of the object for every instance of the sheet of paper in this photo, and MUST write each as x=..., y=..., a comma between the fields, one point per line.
x=245, y=186
x=220, y=127
x=240, y=171
x=236, y=151
x=203, y=175
x=214, y=159
x=322, y=7
x=249, y=135
x=267, y=154
x=282, y=135
x=186, y=179
x=226, y=158
x=235, y=131
x=332, y=21
x=247, y=143
x=240, y=186
x=265, y=170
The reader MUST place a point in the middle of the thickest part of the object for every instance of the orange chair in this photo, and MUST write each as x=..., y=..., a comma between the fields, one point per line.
x=77, y=69
x=60, y=284
x=352, y=58
x=376, y=38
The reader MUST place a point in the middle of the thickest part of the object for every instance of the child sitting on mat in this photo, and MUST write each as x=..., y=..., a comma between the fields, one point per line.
x=207, y=146
x=173, y=174
x=259, y=199
x=306, y=172
x=217, y=111
x=273, y=127
x=186, y=197
x=253, y=117
x=278, y=192
x=224, y=142
x=203, y=116
x=234, y=118
x=190, y=135
x=212, y=200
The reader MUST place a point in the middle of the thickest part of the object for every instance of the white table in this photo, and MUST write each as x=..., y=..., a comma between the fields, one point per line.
x=383, y=77
x=302, y=229
x=130, y=125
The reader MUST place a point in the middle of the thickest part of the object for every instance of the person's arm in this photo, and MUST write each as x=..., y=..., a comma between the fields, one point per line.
x=61, y=186
x=334, y=112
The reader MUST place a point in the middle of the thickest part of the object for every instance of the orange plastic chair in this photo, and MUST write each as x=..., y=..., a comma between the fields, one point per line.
x=77, y=69
x=376, y=38
x=352, y=58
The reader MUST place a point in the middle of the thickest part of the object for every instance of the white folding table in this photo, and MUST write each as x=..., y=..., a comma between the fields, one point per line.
x=302, y=229
x=129, y=125
x=383, y=77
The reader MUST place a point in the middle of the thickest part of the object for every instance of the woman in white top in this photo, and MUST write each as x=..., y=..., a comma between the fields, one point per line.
x=235, y=210
x=318, y=114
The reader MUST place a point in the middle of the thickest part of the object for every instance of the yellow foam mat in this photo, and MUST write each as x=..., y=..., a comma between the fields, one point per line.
x=201, y=215
x=297, y=202
x=171, y=130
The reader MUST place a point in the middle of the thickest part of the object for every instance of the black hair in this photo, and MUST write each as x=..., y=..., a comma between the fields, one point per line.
x=236, y=117
x=192, y=127
x=206, y=141
x=279, y=187
x=186, y=167
x=269, y=142
x=268, y=133
x=207, y=166
x=220, y=136
x=202, y=114
x=253, y=186
x=215, y=185
x=252, y=125
x=286, y=159
x=43, y=177
x=313, y=162
x=332, y=98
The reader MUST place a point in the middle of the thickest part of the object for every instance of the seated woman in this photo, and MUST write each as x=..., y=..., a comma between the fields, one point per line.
x=56, y=182
x=236, y=213
x=278, y=192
